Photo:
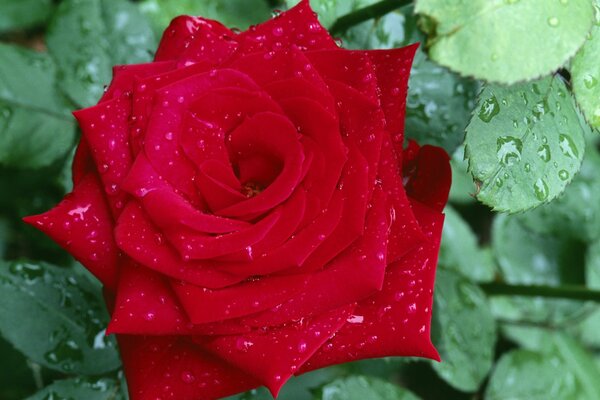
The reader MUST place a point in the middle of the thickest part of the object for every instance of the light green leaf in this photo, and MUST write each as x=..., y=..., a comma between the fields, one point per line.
x=460, y=252
x=505, y=40
x=20, y=14
x=564, y=372
x=585, y=73
x=36, y=127
x=64, y=327
x=524, y=143
x=80, y=388
x=88, y=37
x=364, y=388
x=232, y=13
x=463, y=331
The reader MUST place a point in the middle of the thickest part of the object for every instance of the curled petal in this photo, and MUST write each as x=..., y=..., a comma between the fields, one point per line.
x=81, y=224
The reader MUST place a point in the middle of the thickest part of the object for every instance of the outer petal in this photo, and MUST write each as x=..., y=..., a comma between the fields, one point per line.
x=174, y=368
x=298, y=26
x=395, y=321
x=185, y=30
x=275, y=355
x=82, y=225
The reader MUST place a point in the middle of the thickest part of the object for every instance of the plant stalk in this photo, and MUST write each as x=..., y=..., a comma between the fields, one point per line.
x=570, y=292
x=345, y=22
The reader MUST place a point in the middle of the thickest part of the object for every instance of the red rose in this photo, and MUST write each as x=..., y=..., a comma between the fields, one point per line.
x=247, y=204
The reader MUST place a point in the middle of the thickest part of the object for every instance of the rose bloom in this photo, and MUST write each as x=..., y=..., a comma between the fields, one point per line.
x=248, y=205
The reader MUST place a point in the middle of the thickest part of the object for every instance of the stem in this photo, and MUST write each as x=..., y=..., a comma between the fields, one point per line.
x=557, y=292
x=376, y=10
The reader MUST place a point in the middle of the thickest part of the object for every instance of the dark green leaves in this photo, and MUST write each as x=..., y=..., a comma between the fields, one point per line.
x=88, y=37
x=524, y=143
x=19, y=14
x=79, y=388
x=36, y=127
x=363, y=388
x=233, y=13
x=65, y=318
x=464, y=331
x=505, y=40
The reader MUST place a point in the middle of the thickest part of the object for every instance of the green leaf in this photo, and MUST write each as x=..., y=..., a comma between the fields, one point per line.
x=364, y=388
x=505, y=40
x=524, y=143
x=88, y=37
x=463, y=331
x=64, y=327
x=463, y=188
x=36, y=127
x=232, y=13
x=459, y=250
x=567, y=372
x=80, y=388
x=20, y=14
x=565, y=215
x=585, y=73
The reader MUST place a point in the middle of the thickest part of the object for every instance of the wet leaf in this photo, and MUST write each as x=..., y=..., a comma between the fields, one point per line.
x=564, y=372
x=80, y=388
x=585, y=73
x=64, y=328
x=463, y=331
x=36, y=127
x=524, y=143
x=88, y=37
x=20, y=14
x=233, y=13
x=363, y=388
x=505, y=40
x=460, y=252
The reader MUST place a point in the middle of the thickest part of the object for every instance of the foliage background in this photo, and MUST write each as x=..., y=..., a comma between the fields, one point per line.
x=510, y=317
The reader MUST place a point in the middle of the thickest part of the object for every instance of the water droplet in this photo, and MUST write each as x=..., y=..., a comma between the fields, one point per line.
x=302, y=346
x=509, y=150
x=527, y=167
x=553, y=22
x=149, y=316
x=187, y=377
x=278, y=31
x=567, y=146
x=563, y=174
x=544, y=153
x=489, y=109
x=541, y=189
x=169, y=135
x=590, y=81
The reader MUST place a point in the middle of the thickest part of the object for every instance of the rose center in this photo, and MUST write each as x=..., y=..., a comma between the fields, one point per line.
x=251, y=189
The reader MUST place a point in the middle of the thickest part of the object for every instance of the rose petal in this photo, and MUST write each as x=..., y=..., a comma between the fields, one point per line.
x=275, y=355
x=81, y=224
x=83, y=163
x=124, y=77
x=395, y=321
x=208, y=48
x=176, y=368
x=428, y=176
x=392, y=68
x=361, y=269
x=204, y=305
x=298, y=26
x=106, y=131
x=185, y=30
x=140, y=240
